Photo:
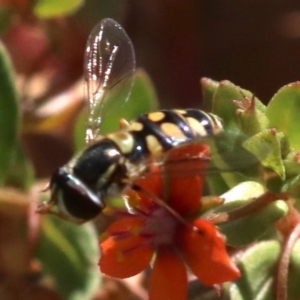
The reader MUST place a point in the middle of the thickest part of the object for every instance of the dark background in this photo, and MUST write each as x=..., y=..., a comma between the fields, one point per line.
x=254, y=44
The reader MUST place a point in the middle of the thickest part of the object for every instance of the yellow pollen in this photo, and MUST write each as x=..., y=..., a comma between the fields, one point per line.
x=108, y=211
x=136, y=230
x=120, y=257
x=132, y=198
x=104, y=236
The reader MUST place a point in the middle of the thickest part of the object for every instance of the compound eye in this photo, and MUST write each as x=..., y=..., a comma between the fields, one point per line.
x=76, y=200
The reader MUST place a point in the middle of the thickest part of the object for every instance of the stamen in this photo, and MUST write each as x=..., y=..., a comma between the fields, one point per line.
x=141, y=212
x=147, y=235
x=127, y=251
x=163, y=204
x=120, y=234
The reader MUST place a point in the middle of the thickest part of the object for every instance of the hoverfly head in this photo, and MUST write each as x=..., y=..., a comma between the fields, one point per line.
x=71, y=199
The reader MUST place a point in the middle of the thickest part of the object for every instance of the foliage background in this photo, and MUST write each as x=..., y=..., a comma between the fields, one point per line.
x=254, y=44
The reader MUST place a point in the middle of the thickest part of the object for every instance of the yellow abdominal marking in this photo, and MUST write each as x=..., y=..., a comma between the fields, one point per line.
x=180, y=111
x=196, y=126
x=136, y=126
x=153, y=145
x=103, y=179
x=172, y=130
x=217, y=124
x=156, y=116
x=124, y=141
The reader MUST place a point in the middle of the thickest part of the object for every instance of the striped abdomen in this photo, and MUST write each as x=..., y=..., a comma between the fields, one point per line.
x=104, y=168
x=155, y=133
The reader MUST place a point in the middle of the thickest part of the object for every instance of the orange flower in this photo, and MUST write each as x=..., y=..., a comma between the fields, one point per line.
x=168, y=229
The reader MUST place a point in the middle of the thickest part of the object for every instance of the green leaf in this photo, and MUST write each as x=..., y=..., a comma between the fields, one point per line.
x=291, y=165
x=224, y=106
x=252, y=121
x=283, y=112
x=55, y=8
x=245, y=191
x=215, y=184
x=209, y=88
x=234, y=162
x=292, y=186
x=294, y=272
x=254, y=224
x=9, y=114
x=258, y=265
x=70, y=253
x=266, y=146
x=21, y=171
x=142, y=99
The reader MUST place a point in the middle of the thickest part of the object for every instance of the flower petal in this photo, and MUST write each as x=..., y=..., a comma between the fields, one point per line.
x=184, y=164
x=205, y=253
x=124, y=252
x=168, y=278
x=151, y=184
x=185, y=195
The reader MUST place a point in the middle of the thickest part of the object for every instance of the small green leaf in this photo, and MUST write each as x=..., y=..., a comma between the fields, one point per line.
x=294, y=272
x=209, y=88
x=283, y=112
x=258, y=265
x=55, y=8
x=244, y=191
x=266, y=146
x=291, y=165
x=143, y=99
x=234, y=162
x=255, y=224
x=21, y=172
x=225, y=108
x=252, y=121
x=292, y=186
x=70, y=253
x=9, y=114
x=215, y=184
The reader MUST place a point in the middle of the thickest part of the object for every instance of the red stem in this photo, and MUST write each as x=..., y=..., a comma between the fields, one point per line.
x=283, y=266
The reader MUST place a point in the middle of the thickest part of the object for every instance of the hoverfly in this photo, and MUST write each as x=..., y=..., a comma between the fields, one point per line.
x=105, y=167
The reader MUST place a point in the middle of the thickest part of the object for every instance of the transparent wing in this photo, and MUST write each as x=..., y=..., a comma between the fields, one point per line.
x=109, y=67
x=226, y=155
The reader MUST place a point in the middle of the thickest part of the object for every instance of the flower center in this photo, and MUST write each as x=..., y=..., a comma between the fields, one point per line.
x=160, y=227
